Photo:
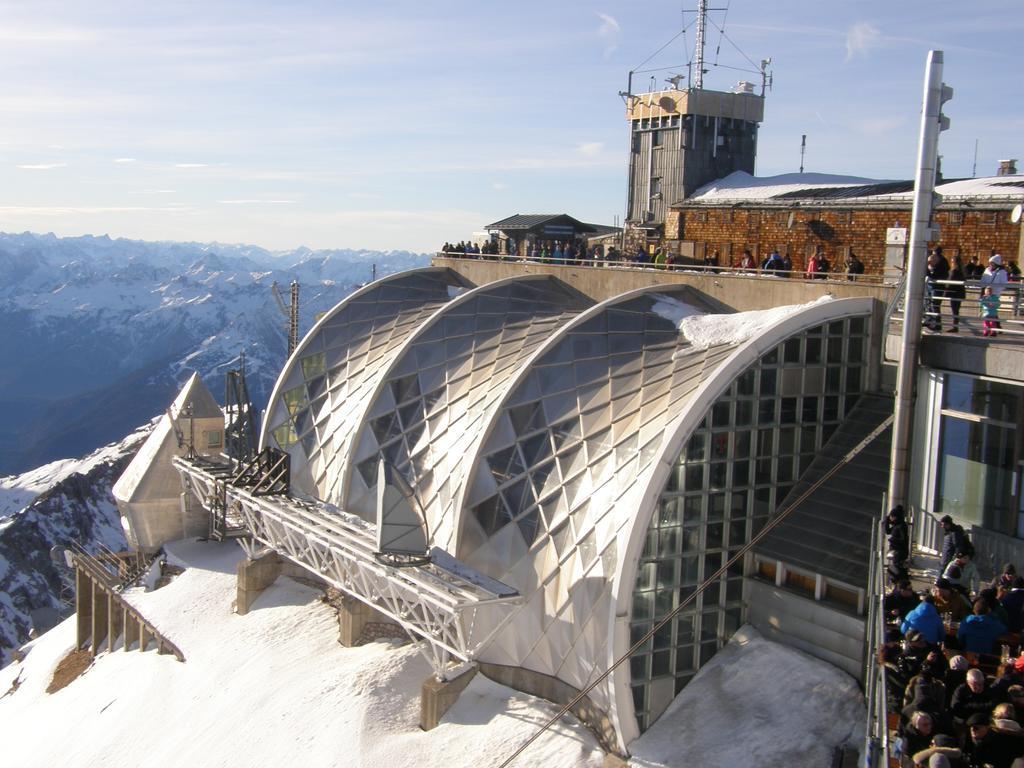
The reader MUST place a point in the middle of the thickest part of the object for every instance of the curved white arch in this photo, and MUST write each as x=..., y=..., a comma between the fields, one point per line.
x=622, y=710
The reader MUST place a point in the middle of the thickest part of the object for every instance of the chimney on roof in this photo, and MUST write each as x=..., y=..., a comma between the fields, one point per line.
x=1007, y=168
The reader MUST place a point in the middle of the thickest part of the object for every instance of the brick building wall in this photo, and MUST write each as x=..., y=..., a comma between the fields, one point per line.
x=701, y=230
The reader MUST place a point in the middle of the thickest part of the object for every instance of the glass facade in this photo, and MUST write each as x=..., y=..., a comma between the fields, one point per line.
x=978, y=453
x=739, y=464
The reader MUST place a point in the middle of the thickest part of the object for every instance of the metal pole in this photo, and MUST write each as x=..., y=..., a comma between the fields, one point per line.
x=920, y=234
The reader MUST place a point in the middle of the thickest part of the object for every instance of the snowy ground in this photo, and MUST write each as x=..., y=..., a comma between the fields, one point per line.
x=756, y=703
x=273, y=688
x=270, y=688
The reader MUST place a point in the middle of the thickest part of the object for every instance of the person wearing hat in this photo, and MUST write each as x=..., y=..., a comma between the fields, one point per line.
x=994, y=276
x=983, y=746
x=898, y=534
x=962, y=573
x=901, y=600
x=926, y=621
x=954, y=540
x=949, y=602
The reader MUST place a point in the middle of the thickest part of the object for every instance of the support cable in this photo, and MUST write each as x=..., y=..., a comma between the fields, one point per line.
x=666, y=45
x=772, y=524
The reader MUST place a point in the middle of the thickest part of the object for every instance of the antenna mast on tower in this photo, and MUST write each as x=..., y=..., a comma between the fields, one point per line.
x=702, y=18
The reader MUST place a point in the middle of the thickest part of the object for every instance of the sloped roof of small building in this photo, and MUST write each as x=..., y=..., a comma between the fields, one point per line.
x=528, y=221
x=786, y=189
x=131, y=485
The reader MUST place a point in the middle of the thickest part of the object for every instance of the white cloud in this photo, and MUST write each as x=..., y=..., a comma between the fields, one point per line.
x=68, y=210
x=125, y=160
x=190, y=165
x=609, y=32
x=590, y=148
x=364, y=195
x=255, y=202
x=861, y=38
x=498, y=186
x=43, y=166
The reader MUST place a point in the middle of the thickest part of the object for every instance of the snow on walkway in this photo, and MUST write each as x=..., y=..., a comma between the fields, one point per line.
x=270, y=688
x=756, y=703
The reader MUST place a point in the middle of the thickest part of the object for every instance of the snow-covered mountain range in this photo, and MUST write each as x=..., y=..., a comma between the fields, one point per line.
x=99, y=333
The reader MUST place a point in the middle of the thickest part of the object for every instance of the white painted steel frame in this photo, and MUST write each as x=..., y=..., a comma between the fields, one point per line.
x=431, y=604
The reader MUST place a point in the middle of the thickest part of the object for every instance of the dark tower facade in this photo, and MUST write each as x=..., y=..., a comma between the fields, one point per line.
x=680, y=141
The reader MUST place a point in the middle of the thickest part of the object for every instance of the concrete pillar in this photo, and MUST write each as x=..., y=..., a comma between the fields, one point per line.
x=254, y=576
x=131, y=630
x=438, y=697
x=144, y=636
x=353, y=616
x=99, y=618
x=83, y=608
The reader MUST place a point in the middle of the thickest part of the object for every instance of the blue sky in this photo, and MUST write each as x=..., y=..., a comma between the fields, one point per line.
x=403, y=124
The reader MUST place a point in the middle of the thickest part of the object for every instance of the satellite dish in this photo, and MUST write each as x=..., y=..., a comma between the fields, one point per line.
x=792, y=220
x=667, y=103
x=1015, y=214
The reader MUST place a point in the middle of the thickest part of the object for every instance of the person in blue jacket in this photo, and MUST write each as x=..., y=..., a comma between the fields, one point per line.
x=978, y=633
x=926, y=620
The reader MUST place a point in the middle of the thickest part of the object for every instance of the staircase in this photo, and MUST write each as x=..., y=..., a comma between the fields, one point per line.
x=845, y=508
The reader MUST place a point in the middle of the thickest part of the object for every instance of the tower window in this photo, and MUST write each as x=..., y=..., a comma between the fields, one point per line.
x=656, y=138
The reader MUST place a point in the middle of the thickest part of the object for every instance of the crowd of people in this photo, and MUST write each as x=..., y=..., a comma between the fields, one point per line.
x=954, y=678
x=945, y=280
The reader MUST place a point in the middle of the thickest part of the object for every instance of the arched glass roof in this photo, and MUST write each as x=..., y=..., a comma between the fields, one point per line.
x=435, y=397
x=327, y=382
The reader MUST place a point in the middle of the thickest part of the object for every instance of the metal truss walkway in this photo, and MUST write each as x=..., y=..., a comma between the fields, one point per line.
x=447, y=604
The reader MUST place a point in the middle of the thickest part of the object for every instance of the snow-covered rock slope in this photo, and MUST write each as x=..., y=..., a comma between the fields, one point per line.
x=70, y=501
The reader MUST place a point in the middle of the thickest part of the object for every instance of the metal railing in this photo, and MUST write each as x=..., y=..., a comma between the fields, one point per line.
x=876, y=737
x=939, y=306
x=685, y=265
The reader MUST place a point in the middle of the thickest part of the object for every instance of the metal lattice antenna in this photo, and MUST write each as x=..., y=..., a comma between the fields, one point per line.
x=290, y=311
x=702, y=18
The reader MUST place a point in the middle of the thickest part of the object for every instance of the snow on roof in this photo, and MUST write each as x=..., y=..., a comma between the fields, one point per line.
x=703, y=331
x=270, y=688
x=742, y=187
x=756, y=703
